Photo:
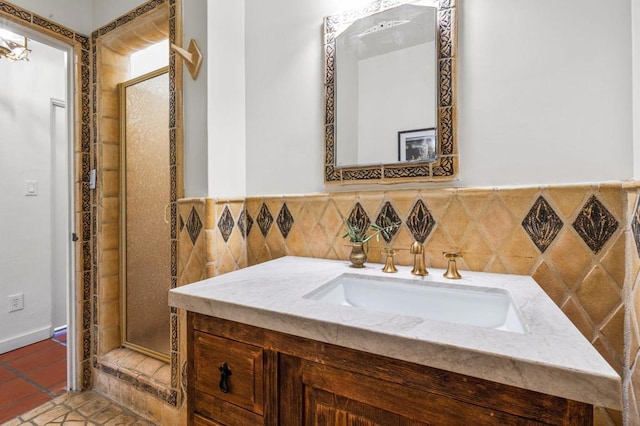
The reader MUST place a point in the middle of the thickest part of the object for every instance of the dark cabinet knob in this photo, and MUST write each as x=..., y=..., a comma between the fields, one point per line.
x=224, y=378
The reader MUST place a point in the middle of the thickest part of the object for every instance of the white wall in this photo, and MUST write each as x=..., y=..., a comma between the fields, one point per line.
x=635, y=26
x=25, y=222
x=195, y=103
x=544, y=92
x=284, y=89
x=74, y=14
x=226, y=99
x=105, y=11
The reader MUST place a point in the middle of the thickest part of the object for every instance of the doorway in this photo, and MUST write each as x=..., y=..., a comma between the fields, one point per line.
x=36, y=175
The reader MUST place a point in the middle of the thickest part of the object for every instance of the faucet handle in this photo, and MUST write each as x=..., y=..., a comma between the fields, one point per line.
x=452, y=268
x=389, y=264
x=416, y=248
x=419, y=268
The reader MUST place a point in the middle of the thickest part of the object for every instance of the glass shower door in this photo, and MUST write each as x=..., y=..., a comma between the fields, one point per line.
x=145, y=230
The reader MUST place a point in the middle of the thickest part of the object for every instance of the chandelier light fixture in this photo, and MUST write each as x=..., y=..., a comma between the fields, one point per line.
x=13, y=46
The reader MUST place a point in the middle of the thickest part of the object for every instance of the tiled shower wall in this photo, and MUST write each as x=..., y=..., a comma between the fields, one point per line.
x=571, y=239
x=149, y=387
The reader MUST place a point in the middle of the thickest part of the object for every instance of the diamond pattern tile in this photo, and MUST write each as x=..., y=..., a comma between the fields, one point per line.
x=265, y=220
x=360, y=218
x=595, y=224
x=332, y=222
x=569, y=257
x=225, y=224
x=284, y=220
x=242, y=223
x=387, y=216
x=550, y=282
x=519, y=254
x=516, y=231
x=318, y=243
x=420, y=221
x=194, y=225
x=597, y=295
x=497, y=223
x=542, y=224
x=296, y=241
x=249, y=223
x=454, y=219
x=635, y=226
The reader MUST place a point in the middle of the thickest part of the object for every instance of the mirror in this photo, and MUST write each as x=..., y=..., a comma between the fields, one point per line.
x=389, y=93
x=385, y=76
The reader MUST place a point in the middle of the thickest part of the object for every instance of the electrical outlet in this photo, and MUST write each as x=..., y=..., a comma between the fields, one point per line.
x=16, y=302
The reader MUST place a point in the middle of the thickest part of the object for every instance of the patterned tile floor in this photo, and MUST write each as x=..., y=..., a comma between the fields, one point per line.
x=85, y=408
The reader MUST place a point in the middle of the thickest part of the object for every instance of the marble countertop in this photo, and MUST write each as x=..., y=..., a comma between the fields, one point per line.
x=551, y=357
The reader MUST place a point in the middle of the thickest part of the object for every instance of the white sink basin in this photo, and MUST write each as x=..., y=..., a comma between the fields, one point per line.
x=455, y=303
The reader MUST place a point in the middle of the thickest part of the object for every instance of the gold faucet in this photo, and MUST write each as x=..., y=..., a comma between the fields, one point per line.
x=389, y=265
x=452, y=269
x=419, y=268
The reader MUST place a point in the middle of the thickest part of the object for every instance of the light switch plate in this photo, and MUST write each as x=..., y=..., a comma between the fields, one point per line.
x=30, y=188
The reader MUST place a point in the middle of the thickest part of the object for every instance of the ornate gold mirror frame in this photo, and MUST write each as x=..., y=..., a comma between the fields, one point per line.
x=446, y=166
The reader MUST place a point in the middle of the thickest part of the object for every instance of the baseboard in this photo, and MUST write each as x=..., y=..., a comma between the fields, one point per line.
x=25, y=339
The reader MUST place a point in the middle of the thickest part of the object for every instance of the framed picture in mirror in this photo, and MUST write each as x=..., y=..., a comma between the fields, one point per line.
x=417, y=145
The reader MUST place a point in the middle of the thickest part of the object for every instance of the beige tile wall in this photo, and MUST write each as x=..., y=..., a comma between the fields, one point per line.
x=485, y=225
x=210, y=255
x=632, y=301
x=113, y=69
x=117, y=372
x=191, y=240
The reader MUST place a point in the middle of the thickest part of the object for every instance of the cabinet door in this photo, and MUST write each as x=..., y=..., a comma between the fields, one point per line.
x=327, y=408
x=317, y=394
x=244, y=363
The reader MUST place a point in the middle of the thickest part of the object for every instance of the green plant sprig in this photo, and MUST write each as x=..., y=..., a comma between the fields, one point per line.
x=356, y=235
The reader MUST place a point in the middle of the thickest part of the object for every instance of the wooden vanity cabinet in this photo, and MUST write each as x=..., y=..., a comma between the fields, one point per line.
x=280, y=379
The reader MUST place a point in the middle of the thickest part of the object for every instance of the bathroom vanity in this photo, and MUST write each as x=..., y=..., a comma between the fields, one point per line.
x=278, y=343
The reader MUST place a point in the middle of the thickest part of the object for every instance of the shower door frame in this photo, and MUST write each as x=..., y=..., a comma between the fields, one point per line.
x=123, y=221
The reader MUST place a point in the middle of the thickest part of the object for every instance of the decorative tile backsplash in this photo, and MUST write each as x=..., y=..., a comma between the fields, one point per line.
x=568, y=238
x=420, y=222
x=542, y=224
x=226, y=224
x=386, y=217
x=632, y=301
x=193, y=225
x=265, y=219
x=595, y=224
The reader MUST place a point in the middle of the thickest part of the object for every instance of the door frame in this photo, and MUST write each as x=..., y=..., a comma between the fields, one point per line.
x=66, y=235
